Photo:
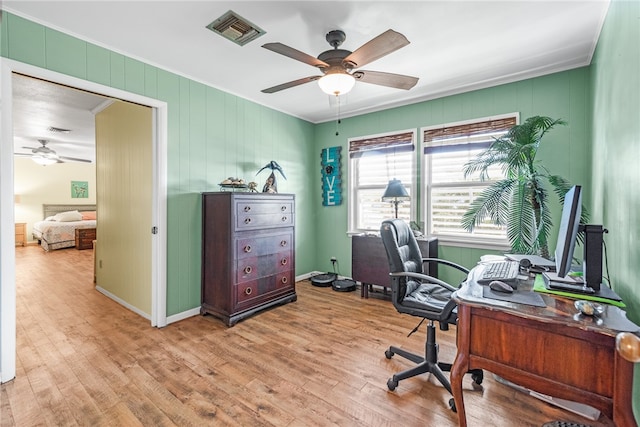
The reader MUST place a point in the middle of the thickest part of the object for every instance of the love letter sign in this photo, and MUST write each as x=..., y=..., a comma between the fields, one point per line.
x=331, y=176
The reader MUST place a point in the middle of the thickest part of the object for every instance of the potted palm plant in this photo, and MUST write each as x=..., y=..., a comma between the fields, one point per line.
x=520, y=201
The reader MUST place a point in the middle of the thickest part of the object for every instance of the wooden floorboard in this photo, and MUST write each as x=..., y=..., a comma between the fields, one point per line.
x=82, y=359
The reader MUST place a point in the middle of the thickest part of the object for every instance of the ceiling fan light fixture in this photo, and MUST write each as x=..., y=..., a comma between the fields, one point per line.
x=43, y=160
x=336, y=83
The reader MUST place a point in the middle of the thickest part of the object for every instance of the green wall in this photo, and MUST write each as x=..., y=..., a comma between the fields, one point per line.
x=211, y=135
x=615, y=121
x=565, y=150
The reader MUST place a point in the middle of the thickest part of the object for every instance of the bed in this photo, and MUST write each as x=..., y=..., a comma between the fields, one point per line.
x=58, y=229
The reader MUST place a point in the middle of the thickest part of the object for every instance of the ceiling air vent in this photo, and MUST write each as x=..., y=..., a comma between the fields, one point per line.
x=235, y=28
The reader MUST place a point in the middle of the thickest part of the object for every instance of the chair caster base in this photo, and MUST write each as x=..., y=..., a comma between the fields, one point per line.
x=452, y=404
x=389, y=354
x=392, y=384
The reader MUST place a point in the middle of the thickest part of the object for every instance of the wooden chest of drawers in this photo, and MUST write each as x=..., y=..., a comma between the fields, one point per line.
x=248, y=253
x=85, y=238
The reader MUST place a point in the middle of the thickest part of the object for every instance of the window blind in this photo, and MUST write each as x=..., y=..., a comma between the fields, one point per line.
x=400, y=142
x=459, y=137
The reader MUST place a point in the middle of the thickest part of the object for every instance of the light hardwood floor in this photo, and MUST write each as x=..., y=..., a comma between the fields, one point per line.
x=84, y=360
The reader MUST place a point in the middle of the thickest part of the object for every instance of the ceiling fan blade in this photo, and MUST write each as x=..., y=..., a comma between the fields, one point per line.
x=31, y=148
x=295, y=54
x=73, y=159
x=376, y=48
x=290, y=84
x=397, y=81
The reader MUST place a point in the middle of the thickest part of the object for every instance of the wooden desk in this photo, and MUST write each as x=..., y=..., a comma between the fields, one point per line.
x=369, y=264
x=551, y=350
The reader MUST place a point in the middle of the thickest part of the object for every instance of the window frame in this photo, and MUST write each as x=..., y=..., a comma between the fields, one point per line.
x=426, y=187
x=352, y=190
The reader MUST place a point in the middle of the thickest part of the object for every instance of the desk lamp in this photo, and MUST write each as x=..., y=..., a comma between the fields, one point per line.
x=395, y=193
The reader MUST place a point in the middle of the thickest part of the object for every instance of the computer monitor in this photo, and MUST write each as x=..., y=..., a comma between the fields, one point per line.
x=590, y=279
x=568, y=232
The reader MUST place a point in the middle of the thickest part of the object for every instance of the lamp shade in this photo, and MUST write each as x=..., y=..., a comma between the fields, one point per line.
x=336, y=83
x=395, y=192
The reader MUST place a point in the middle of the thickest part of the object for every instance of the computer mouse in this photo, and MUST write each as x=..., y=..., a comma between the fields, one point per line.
x=499, y=286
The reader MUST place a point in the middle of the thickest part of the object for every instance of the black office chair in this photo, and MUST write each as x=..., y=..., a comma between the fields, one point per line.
x=420, y=295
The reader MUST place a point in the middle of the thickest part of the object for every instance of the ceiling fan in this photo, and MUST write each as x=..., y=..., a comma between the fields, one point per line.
x=338, y=65
x=46, y=156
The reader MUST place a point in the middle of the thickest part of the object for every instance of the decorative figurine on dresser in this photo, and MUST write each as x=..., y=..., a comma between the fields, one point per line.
x=248, y=253
x=271, y=186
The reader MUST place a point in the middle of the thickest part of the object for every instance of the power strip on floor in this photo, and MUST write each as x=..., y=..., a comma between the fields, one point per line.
x=575, y=407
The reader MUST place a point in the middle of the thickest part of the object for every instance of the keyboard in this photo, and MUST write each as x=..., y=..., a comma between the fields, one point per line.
x=505, y=271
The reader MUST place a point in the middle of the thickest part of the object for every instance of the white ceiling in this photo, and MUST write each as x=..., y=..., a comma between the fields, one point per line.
x=455, y=46
x=39, y=105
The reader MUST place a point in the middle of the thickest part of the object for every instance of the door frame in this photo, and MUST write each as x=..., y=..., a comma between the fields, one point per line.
x=8, y=322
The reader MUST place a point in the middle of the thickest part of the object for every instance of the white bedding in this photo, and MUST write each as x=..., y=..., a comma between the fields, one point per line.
x=57, y=235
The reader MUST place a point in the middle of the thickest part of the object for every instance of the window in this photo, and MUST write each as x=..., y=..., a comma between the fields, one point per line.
x=373, y=161
x=447, y=193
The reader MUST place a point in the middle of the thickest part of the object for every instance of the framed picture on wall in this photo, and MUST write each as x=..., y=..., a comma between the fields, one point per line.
x=79, y=190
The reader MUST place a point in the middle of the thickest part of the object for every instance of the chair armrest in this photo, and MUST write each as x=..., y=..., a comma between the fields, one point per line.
x=425, y=277
x=448, y=263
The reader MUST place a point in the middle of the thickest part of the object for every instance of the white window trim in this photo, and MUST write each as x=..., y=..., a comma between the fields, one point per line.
x=351, y=206
x=459, y=241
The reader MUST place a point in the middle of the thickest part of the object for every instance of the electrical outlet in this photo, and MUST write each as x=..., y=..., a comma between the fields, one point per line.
x=333, y=259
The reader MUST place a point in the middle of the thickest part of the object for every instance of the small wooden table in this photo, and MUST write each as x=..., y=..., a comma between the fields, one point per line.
x=85, y=238
x=553, y=350
x=21, y=233
x=369, y=264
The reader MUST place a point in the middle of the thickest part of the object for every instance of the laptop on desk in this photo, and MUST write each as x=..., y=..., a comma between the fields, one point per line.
x=576, y=286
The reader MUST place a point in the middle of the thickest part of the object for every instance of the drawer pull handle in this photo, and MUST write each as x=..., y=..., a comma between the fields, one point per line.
x=283, y=208
x=284, y=219
x=283, y=261
x=283, y=243
x=247, y=220
x=247, y=208
x=248, y=291
x=247, y=249
x=248, y=269
x=284, y=280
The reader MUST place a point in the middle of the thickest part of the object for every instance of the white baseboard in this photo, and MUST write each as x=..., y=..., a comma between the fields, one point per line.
x=184, y=315
x=123, y=303
x=196, y=311
x=315, y=273
x=309, y=275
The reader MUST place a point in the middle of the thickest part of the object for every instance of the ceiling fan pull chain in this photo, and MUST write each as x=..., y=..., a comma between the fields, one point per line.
x=338, y=115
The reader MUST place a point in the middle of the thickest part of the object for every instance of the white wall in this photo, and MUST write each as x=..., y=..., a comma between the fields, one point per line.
x=35, y=185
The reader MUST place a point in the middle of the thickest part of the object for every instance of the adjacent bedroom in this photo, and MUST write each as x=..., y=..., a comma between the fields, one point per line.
x=54, y=164
x=49, y=207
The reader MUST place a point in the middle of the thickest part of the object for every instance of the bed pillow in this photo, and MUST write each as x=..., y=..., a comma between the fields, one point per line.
x=87, y=215
x=68, y=216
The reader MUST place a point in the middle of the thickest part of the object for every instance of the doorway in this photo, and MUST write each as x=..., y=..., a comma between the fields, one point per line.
x=7, y=250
